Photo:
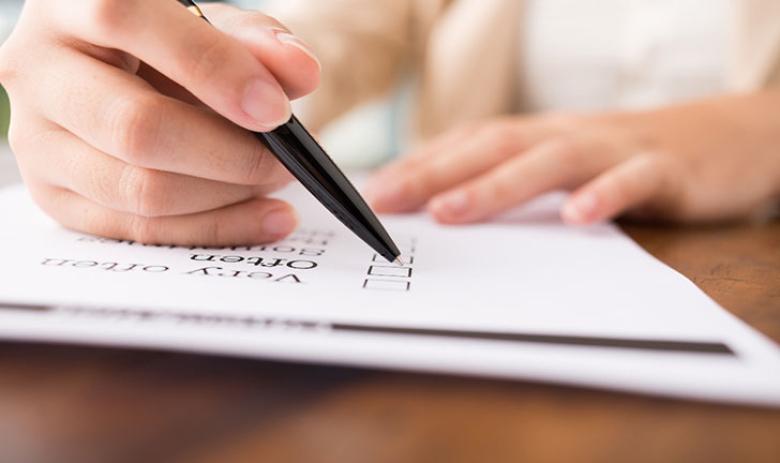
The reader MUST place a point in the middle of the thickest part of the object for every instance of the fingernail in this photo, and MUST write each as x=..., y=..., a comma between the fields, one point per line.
x=266, y=103
x=451, y=204
x=279, y=223
x=579, y=208
x=288, y=39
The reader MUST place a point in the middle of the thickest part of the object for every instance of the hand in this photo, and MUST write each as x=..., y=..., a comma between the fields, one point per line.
x=130, y=117
x=680, y=164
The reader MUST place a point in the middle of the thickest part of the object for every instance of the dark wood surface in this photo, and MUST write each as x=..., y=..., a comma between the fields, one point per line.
x=72, y=404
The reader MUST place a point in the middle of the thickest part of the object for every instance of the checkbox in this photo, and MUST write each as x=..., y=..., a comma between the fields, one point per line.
x=403, y=259
x=390, y=271
x=386, y=285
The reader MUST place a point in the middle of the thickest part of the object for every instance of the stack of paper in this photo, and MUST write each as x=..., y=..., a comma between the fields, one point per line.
x=521, y=297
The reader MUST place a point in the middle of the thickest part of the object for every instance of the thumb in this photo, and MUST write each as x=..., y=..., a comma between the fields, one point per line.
x=290, y=60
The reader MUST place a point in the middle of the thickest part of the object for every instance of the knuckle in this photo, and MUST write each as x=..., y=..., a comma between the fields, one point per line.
x=107, y=17
x=502, y=136
x=7, y=67
x=135, y=126
x=211, y=232
x=17, y=139
x=211, y=58
x=17, y=60
x=102, y=189
x=144, y=191
x=24, y=138
x=258, y=166
x=144, y=230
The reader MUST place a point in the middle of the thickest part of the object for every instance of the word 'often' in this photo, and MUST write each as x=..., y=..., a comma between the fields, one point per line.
x=298, y=264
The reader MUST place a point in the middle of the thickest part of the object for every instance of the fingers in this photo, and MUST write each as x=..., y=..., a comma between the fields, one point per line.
x=115, y=185
x=121, y=115
x=388, y=175
x=546, y=167
x=166, y=86
x=291, y=61
x=629, y=184
x=454, y=158
x=252, y=222
x=216, y=68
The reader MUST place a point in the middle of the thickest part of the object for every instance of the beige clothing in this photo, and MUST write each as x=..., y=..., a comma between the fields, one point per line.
x=464, y=53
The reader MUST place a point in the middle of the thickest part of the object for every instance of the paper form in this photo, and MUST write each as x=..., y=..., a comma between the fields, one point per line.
x=521, y=297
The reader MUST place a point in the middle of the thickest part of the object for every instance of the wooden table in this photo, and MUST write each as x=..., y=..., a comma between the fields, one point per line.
x=72, y=404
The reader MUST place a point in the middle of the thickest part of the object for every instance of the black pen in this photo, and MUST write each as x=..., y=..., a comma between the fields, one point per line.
x=300, y=153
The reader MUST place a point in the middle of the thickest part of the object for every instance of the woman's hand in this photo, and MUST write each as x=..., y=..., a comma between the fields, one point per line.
x=130, y=117
x=715, y=160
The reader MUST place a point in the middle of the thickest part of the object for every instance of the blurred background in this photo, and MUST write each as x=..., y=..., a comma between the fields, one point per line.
x=365, y=137
x=9, y=10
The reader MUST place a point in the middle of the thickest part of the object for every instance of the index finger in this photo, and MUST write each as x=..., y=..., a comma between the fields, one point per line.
x=121, y=115
x=216, y=68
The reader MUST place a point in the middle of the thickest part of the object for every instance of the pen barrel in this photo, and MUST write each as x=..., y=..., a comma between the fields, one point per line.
x=300, y=153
